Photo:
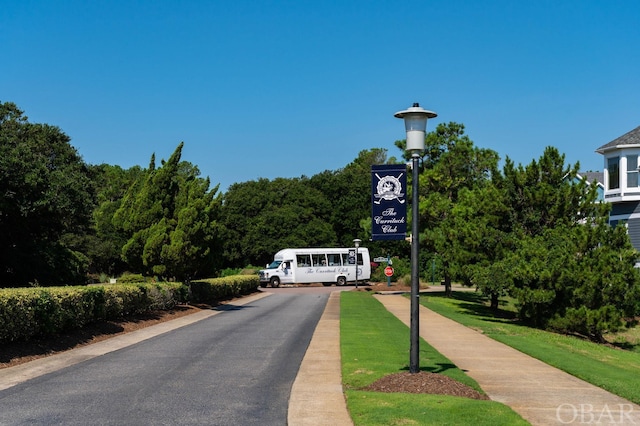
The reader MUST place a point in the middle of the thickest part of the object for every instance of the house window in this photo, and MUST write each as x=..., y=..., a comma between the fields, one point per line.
x=613, y=167
x=632, y=171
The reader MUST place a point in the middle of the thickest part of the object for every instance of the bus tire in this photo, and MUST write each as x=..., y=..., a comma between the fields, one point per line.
x=275, y=282
x=341, y=281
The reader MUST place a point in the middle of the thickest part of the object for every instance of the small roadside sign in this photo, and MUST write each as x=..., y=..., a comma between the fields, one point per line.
x=388, y=271
x=380, y=259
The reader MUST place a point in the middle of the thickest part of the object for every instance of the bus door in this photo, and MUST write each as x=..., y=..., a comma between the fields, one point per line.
x=287, y=271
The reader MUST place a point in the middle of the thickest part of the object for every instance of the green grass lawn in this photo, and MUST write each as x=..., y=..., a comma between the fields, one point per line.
x=374, y=343
x=610, y=368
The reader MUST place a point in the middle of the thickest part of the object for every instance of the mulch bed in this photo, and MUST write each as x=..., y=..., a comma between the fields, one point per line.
x=424, y=382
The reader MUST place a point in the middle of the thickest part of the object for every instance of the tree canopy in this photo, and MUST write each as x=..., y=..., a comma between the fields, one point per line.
x=170, y=216
x=45, y=195
x=531, y=232
x=452, y=165
x=535, y=234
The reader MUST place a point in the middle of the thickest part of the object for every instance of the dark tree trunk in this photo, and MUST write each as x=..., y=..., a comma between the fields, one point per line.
x=447, y=285
x=494, y=301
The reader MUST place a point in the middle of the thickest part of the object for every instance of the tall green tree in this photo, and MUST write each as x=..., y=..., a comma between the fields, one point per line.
x=480, y=240
x=171, y=218
x=543, y=195
x=577, y=279
x=568, y=269
x=330, y=208
x=104, y=244
x=261, y=217
x=45, y=197
x=451, y=164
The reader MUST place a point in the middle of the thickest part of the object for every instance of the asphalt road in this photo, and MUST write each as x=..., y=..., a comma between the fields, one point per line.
x=235, y=368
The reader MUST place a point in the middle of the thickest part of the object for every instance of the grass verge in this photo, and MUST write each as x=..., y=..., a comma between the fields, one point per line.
x=374, y=343
x=610, y=368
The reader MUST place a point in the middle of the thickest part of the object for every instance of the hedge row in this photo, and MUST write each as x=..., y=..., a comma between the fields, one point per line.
x=216, y=289
x=29, y=312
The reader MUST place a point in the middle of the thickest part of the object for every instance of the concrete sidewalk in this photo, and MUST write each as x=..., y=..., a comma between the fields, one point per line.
x=316, y=397
x=541, y=394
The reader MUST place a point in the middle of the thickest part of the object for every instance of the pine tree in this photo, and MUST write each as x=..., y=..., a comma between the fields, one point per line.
x=171, y=217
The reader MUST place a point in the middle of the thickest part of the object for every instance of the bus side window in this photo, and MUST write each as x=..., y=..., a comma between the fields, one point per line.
x=303, y=260
x=334, y=259
x=345, y=259
x=319, y=260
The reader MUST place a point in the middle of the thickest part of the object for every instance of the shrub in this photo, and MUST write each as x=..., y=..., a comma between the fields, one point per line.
x=131, y=278
x=215, y=289
x=25, y=313
x=250, y=270
x=592, y=323
x=247, y=270
x=28, y=312
x=400, y=266
x=227, y=272
x=17, y=313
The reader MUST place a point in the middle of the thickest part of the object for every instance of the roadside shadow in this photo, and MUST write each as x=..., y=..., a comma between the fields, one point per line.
x=627, y=346
x=229, y=307
x=475, y=304
x=439, y=368
x=21, y=350
x=47, y=345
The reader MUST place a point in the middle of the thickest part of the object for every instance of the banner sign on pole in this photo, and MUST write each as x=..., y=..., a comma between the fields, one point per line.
x=388, y=201
x=351, y=257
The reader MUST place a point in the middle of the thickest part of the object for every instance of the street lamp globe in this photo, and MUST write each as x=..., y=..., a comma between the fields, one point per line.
x=415, y=123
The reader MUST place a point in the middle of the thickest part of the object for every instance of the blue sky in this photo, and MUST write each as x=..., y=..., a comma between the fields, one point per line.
x=288, y=88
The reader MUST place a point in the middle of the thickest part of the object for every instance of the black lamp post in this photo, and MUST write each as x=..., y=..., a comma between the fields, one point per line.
x=415, y=121
x=356, y=243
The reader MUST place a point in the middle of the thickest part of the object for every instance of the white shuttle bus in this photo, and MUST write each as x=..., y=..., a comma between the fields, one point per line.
x=317, y=265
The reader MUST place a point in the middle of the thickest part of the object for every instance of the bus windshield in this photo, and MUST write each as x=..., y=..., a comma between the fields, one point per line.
x=274, y=264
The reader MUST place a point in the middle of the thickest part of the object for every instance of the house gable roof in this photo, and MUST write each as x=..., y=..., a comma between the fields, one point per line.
x=631, y=138
x=591, y=176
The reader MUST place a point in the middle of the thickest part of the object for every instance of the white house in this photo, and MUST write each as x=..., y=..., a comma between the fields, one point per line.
x=621, y=182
